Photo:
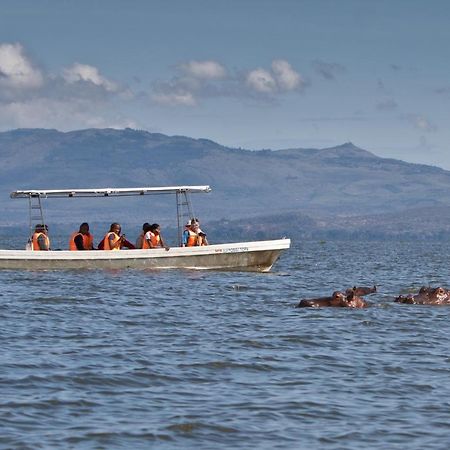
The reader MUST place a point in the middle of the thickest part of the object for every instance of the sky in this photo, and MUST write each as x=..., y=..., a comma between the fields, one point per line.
x=245, y=73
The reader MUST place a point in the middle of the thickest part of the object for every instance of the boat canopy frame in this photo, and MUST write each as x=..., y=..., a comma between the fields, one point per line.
x=183, y=202
x=108, y=192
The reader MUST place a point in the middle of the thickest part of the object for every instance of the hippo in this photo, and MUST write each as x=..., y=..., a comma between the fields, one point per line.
x=350, y=299
x=337, y=299
x=361, y=290
x=427, y=296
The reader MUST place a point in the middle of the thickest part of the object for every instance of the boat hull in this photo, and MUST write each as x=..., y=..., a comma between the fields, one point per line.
x=256, y=256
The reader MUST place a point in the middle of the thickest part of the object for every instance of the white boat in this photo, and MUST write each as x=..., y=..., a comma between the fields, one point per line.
x=256, y=256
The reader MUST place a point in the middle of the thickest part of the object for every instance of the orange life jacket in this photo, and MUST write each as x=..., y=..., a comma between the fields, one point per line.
x=154, y=239
x=88, y=241
x=106, y=245
x=145, y=244
x=192, y=239
x=36, y=243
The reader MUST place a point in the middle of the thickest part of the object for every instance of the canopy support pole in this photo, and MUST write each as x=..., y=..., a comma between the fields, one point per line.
x=185, y=212
x=36, y=212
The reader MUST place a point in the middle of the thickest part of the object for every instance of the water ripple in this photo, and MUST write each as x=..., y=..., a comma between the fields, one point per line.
x=195, y=360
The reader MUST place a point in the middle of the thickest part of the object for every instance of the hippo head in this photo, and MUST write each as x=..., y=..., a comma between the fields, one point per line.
x=339, y=299
x=360, y=291
x=427, y=296
x=439, y=295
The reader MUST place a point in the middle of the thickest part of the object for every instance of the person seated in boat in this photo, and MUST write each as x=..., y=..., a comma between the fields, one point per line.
x=153, y=238
x=145, y=229
x=40, y=239
x=194, y=236
x=113, y=240
x=140, y=239
x=201, y=236
x=200, y=232
x=82, y=239
x=190, y=234
x=125, y=244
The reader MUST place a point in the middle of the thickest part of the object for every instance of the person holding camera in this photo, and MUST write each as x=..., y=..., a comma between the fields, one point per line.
x=113, y=240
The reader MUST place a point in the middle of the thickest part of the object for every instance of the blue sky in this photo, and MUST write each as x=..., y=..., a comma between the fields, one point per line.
x=252, y=74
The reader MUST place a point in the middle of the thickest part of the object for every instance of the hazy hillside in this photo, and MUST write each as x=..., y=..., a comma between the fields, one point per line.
x=414, y=224
x=341, y=181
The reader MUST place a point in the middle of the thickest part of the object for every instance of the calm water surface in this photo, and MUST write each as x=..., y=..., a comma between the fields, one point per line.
x=200, y=360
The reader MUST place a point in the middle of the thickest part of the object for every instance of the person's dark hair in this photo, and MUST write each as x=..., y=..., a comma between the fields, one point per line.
x=146, y=225
x=113, y=225
x=153, y=227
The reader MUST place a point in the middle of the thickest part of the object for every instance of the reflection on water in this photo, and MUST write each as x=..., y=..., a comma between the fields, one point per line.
x=141, y=359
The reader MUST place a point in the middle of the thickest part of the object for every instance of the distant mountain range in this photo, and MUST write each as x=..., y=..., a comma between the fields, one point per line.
x=340, y=188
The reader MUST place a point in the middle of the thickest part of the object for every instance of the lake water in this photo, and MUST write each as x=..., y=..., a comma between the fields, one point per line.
x=201, y=360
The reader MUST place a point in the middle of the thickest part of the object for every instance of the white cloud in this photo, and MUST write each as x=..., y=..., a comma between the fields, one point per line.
x=198, y=80
x=16, y=70
x=261, y=81
x=195, y=79
x=287, y=78
x=282, y=78
x=90, y=74
x=174, y=99
x=80, y=96
x=204, y=69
